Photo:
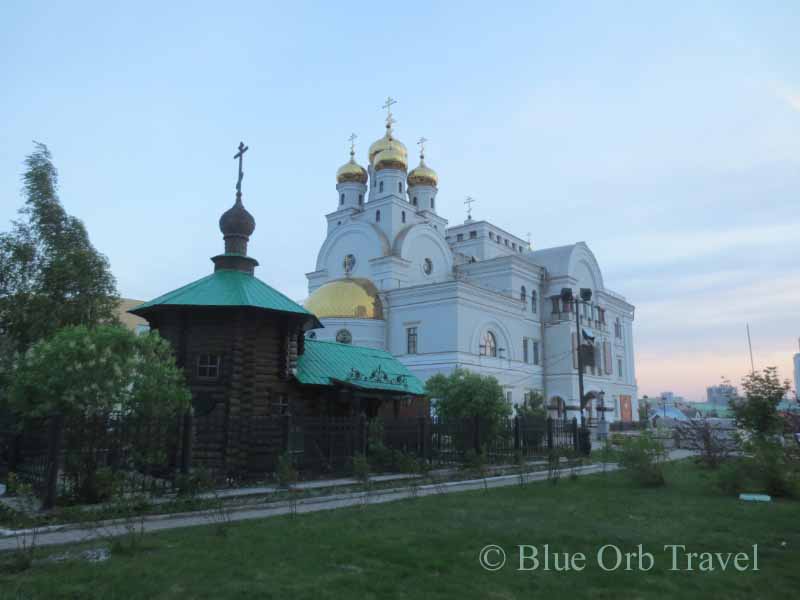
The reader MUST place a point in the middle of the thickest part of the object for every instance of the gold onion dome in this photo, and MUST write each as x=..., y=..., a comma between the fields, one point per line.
x=385, y=143
x=391, y=158
x=351, y=298
x=351, y=171
x=423, y=175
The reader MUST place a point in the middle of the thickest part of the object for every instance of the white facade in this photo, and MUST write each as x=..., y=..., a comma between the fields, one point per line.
x=471, y=296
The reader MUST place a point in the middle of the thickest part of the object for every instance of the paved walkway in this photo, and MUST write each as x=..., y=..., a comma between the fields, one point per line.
x=66, y=534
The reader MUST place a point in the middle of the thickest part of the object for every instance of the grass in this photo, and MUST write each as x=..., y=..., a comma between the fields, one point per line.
x=428, y=548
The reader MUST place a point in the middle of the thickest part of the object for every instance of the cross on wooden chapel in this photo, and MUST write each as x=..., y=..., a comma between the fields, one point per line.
x=240, y=155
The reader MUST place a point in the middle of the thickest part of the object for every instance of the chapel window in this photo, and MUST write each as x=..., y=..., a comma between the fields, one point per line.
x=341, y=199
x=400, y=186
x=414, y=201
x=403, y=216
x=377, y=216
x=380, y=186
x=208, y=366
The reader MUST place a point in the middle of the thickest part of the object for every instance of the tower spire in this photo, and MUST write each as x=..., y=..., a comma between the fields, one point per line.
x=236, y=225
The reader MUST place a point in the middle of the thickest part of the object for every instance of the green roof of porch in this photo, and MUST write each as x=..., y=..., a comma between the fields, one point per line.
x=329, y=363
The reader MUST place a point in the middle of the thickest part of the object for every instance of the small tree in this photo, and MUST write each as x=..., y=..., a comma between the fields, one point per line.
x=88, y=374
x=466, y=394
x=757, y=412
x=50, y=274
x=532, y=406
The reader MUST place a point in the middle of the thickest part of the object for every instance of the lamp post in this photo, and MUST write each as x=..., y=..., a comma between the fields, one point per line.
x=602, y=427
x=586, y=298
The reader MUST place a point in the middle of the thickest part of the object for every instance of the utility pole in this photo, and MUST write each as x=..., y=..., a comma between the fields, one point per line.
x=586, y=297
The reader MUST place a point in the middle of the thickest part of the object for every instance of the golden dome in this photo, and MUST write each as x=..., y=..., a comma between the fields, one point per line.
x=391, y=158
x=423, y=175
x=345, y=299
x=385, y=143
x=351, y=171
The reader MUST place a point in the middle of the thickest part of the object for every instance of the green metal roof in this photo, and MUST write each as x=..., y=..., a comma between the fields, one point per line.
x=325, y=363
x=227, y=288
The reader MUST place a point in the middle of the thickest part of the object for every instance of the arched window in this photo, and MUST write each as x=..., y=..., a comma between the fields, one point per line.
x=488, y=345
x=341, y=199
x=534, y=300
x=403, y=216
x=523, y=294
x=380, y=186
x=400, y=186
x=414, y=201
x=433, y=202
x=377, y=216
x=360, y=199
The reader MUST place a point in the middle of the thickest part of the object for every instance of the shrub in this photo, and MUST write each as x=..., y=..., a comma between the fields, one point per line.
x=732, y=478
x=361, y=468
x=190, y=485
x=643, y=457
x=779, y=476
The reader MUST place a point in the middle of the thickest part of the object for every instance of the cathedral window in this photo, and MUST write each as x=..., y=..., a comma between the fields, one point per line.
x=377, y=216
x=400, y=186
x=460, y=237
x=341, y=199
x=403, y=216
x=523, y=294
x=360, y=199
x=433, y=202
x=427, y=266
x=534, y=300
x=349, y=263
x=380, y=187
x=535, y=352
x=208, y=366
x=488, y=346
x=411, y=340
x=556, y=308
x=617, y=328
x=491, y=235
x=473, y=235
x=525, y=357
x=414, y=201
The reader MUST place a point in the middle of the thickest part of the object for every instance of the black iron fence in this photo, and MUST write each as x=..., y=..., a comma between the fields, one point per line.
x=89, y=458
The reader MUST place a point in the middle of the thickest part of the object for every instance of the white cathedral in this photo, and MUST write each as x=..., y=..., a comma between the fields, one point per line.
x=391, y=274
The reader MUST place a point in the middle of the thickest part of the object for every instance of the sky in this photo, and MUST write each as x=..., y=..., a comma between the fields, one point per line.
x=665, y=135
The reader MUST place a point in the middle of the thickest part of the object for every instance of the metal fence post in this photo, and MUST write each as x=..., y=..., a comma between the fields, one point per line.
x=55, y=435
x=575, y=434
x=186, y=442
x=517, y=440
x=549, y=433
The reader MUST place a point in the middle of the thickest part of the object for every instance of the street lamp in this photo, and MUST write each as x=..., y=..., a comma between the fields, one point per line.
x=586, y=298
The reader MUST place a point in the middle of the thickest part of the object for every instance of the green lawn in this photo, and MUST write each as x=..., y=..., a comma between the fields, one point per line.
x=428, y=548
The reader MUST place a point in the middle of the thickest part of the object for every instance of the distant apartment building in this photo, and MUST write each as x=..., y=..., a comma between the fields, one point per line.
x=721, y=395
x=797, y=372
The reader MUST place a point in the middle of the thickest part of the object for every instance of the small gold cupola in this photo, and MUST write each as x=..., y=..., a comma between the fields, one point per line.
x=351, y=171
x=422, y=174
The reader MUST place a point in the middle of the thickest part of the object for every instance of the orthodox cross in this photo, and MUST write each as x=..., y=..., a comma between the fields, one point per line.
x=469, y=202
x=421, y=144
x=388, y=106
x=352, y=139
x=240, y=155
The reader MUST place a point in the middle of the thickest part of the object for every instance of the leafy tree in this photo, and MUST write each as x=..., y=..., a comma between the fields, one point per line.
x=467, y=394
x=82, y=371
x=50, y=274
x=532, y=407
x=758, y=410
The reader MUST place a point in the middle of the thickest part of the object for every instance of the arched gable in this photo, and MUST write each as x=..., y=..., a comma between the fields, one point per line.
x=365, y=241
x=416, y=243
x=583, y=266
